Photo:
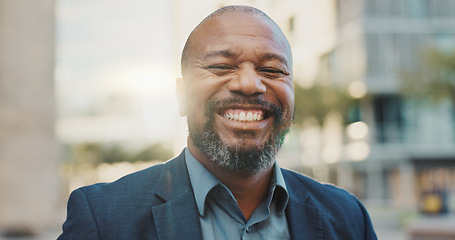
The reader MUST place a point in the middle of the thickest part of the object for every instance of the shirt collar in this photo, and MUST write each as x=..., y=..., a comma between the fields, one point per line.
x=203, y=181
x=280, y=194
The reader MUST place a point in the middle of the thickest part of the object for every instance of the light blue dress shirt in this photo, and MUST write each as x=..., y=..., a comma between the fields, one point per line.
x=220, y=215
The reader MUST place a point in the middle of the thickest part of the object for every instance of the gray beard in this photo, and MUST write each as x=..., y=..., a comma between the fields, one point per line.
x=235, y=159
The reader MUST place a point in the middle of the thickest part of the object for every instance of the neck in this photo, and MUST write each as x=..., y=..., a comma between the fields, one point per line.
x=250, y=190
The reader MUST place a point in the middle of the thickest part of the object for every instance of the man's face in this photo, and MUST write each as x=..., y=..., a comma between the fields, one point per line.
x=238, y=90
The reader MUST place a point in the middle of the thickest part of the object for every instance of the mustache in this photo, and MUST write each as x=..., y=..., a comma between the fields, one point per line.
x=272, y=109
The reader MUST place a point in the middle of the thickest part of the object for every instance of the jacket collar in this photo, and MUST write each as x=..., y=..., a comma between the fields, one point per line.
x=177, y=217
x=303, y=218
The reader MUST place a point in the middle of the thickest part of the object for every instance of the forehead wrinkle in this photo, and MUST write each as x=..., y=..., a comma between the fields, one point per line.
x=217, y=53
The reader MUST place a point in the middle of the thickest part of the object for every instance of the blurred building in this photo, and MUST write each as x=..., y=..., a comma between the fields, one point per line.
x=412, y=143
x=29, y=181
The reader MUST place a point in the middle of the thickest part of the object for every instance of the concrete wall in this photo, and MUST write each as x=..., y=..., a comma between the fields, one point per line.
x=28, y=150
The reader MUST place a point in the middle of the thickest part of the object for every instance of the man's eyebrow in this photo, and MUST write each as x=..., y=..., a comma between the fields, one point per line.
x=273, y=56
x=222, y=53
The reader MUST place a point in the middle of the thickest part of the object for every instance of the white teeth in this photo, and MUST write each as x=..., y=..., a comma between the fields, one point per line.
x=249, y=116
x=244, y=116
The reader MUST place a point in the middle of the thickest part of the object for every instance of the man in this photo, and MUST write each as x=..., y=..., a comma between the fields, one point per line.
x=237, y=93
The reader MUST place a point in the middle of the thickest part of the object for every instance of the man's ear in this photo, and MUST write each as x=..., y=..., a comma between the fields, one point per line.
x=182, y=99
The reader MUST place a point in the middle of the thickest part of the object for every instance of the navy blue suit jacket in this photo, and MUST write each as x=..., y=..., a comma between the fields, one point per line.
x=158, y=203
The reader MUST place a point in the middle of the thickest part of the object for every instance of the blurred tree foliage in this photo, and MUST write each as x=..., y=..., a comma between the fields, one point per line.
x=319, y=100
x=154, y=152
x=85, y=154
x=433, y=77
x=96, y=153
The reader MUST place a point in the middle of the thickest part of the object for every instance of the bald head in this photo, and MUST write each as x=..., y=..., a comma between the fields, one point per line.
x=239, y=9
x=236, y=62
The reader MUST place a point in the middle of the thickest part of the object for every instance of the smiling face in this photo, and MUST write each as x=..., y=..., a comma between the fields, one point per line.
x=237, y=91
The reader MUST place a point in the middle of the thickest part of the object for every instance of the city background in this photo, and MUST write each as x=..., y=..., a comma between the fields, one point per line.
x=87, y=95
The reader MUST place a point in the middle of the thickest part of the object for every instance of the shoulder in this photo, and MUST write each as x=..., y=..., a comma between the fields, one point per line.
x=314, y=187
x=136, y=186
x=324, y=196
x=132, y=182
x=120, y=209
x=342, y=213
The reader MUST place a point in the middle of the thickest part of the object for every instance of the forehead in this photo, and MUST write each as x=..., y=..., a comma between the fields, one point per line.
x=239, y=31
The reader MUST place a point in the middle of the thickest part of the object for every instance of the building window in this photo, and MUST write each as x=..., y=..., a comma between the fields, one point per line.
x=388, y=118
x=398, y=8
x=417, y=8
x=376, y=55
x=408, y=48
x=441, y=8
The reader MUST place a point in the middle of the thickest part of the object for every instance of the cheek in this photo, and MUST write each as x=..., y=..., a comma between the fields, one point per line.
x=199, y=94
x=290, y=101
x=196, y=109
x=197, y=100
x=284, y=94
x=203, y=89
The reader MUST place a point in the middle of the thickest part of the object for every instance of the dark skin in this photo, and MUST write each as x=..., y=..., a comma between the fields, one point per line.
x=237, y=55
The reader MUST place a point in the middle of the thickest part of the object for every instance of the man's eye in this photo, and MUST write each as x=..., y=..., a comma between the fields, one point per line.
x=273, y=72
x=220, y=69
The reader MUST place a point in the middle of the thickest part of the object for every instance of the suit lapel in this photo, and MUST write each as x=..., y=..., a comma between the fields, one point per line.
x=304, y=220
x=177, y=217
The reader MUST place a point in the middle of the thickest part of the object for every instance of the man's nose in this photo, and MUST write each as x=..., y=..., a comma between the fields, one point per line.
x=247, y=81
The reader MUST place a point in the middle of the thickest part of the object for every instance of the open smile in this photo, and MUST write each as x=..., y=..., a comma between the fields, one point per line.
x=241, y=115
x=246, y=117
x=245, y=114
